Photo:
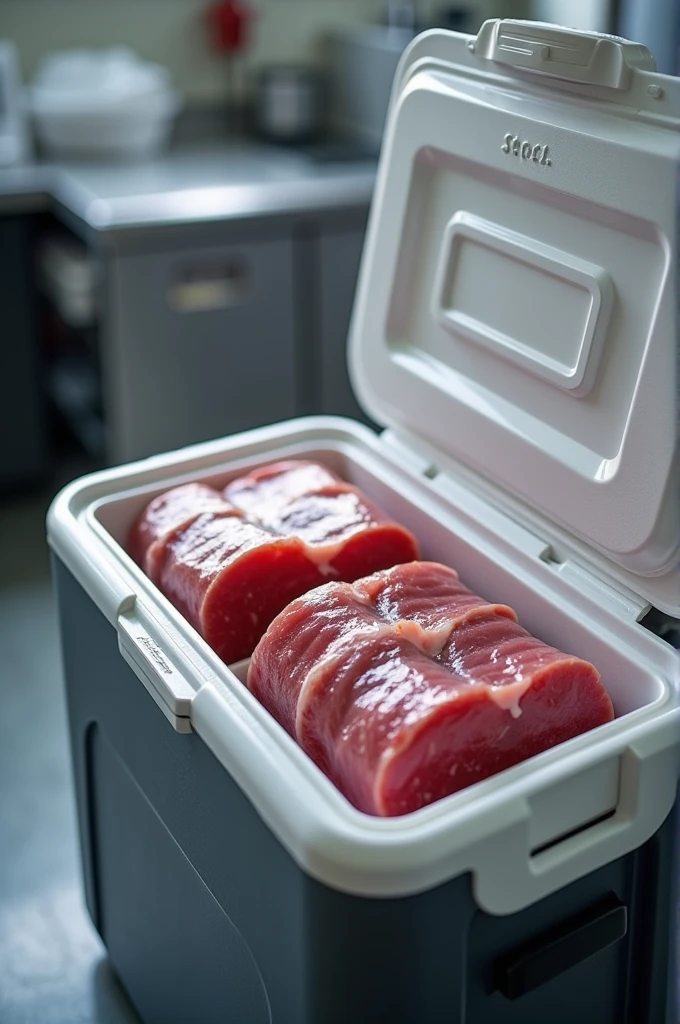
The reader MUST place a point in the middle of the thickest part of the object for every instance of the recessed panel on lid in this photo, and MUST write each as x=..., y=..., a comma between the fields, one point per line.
x=546, y=310
x=519, y=315
x=533, y=284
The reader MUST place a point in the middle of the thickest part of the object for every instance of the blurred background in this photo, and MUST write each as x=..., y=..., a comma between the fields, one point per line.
x=184, y=189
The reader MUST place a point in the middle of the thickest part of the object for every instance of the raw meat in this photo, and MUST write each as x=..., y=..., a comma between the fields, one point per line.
x=171, y=509
x=346, y=673
x=395, y=730
x=427, y=599
x=304, y=641
x=230, y=578
x=263, y=492
x=347, y=535
x=230, y=575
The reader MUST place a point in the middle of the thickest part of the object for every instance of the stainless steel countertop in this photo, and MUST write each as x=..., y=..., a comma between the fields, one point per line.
x=195, y=185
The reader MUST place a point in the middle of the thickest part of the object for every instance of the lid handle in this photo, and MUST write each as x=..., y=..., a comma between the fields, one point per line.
x=588, y=57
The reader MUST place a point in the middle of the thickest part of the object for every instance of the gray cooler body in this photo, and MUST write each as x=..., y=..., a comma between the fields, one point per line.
x=515, y=331
x=207, y=918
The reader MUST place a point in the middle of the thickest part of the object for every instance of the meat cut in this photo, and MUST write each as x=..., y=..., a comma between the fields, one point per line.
x=265, y=491
x=346, y=534
x=406, y=687
x=230, y=570
x=230, y=578
x=171, y=511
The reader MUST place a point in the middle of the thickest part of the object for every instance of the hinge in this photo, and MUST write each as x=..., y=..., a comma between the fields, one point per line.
x=457, y=492
x=624, y=603
x=491, y=518
x=460, y=493
x=667, y=627
x=407, y=455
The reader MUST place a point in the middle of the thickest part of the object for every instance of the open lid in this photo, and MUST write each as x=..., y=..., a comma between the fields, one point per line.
x=517, y=305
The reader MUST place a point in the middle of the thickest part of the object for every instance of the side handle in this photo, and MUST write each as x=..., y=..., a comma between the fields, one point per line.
x=558, y=949
x=648, y=778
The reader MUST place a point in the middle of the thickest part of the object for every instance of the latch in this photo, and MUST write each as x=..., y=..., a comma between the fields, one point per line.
x=155, y=668
x=623, y=603
x=587, y=57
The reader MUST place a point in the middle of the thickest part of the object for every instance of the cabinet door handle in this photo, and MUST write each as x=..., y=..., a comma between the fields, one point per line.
x=556, y=950
x=201, y=287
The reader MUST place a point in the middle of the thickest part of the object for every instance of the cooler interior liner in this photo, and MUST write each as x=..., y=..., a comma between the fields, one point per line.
x=631, y=686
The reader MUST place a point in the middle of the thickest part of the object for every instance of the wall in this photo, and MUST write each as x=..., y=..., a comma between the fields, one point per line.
x=171, y=31
x=593, y=15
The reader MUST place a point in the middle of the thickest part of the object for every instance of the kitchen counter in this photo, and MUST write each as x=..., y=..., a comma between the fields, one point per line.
x=25, y=188
x=197, y=185
x=216, y=239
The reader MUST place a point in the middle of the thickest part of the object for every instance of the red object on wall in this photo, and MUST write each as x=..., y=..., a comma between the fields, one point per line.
x=229, y=22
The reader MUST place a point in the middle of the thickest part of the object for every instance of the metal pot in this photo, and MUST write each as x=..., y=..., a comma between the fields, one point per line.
x=288, y=104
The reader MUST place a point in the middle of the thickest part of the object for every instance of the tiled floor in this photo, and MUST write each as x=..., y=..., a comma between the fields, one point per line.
x=53, y=968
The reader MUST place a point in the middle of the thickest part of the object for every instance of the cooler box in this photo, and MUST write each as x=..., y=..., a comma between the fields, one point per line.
x=515, y=331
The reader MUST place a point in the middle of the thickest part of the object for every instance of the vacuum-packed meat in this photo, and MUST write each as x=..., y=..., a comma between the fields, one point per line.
x=399, y=716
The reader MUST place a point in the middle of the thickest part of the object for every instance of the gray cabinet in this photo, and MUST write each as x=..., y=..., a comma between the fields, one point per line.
x=204, y=341
x=22, y=441
x=338, y=269
x=197, y=343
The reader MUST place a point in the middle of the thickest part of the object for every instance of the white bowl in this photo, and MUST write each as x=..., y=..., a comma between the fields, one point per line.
x=130, y=131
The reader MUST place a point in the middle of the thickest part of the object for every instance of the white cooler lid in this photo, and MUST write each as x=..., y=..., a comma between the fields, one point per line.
x=517, y=305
